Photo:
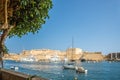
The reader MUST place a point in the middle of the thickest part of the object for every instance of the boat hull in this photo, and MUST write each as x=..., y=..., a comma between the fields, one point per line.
x=69, y=67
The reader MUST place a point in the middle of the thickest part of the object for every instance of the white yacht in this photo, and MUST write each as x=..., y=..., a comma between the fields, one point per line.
x=28, y=59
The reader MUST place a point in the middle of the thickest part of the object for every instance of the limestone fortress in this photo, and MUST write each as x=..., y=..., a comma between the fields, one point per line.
x=55, y=55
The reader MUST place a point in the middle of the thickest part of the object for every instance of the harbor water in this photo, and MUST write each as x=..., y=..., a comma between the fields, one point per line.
x=54, y=71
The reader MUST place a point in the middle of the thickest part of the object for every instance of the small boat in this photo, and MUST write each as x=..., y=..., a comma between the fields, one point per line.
x=16, y=68
x=80, y=70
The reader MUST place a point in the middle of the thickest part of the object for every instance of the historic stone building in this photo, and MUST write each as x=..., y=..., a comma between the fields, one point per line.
x=74, y=53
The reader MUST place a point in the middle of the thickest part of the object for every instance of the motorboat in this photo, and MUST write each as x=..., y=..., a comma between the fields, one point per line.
x=80, y=70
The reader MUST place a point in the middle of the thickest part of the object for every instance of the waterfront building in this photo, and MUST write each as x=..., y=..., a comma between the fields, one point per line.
x=45, y=54
x=113, y=56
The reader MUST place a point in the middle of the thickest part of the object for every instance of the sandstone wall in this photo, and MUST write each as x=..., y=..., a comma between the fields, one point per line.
x=93, y=56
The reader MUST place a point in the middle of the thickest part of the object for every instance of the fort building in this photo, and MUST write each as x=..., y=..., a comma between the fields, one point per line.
x=55, y=55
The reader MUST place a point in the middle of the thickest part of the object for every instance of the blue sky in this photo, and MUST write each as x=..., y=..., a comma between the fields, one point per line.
x=94, y=25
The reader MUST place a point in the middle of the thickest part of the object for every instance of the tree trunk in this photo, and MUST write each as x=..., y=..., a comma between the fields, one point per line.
x=5, y=32
x=3, y=37
x=2, y=46
x=5, y=28
x=1, y=59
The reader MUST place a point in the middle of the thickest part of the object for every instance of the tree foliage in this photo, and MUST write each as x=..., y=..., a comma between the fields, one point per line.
x=20, y=17
x=30, y=16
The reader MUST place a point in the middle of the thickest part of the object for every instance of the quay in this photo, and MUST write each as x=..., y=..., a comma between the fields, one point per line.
x=6, y=74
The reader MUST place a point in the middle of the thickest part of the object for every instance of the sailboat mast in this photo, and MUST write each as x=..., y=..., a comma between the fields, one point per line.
x=72, y=42
x=72, y=46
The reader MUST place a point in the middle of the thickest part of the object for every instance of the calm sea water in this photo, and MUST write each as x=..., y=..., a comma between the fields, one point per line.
x=54, y=71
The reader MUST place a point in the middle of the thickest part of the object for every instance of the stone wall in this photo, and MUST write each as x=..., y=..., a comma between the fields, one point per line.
x=12, y=75
x=93, y=56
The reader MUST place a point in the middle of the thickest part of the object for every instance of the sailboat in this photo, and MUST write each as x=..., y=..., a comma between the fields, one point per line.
x=69, y=64
x=73, y=65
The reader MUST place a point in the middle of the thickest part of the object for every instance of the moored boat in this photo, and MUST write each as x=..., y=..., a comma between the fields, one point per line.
x=68, y=66
x=80, y=70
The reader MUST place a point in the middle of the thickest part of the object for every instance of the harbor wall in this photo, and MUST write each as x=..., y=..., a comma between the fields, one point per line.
x=93, y=56
x=6, y=74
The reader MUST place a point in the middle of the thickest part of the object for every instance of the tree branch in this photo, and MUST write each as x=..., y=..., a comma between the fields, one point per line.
x=5, y=34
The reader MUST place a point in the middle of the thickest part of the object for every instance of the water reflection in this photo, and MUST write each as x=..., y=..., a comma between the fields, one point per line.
x=48, y=68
